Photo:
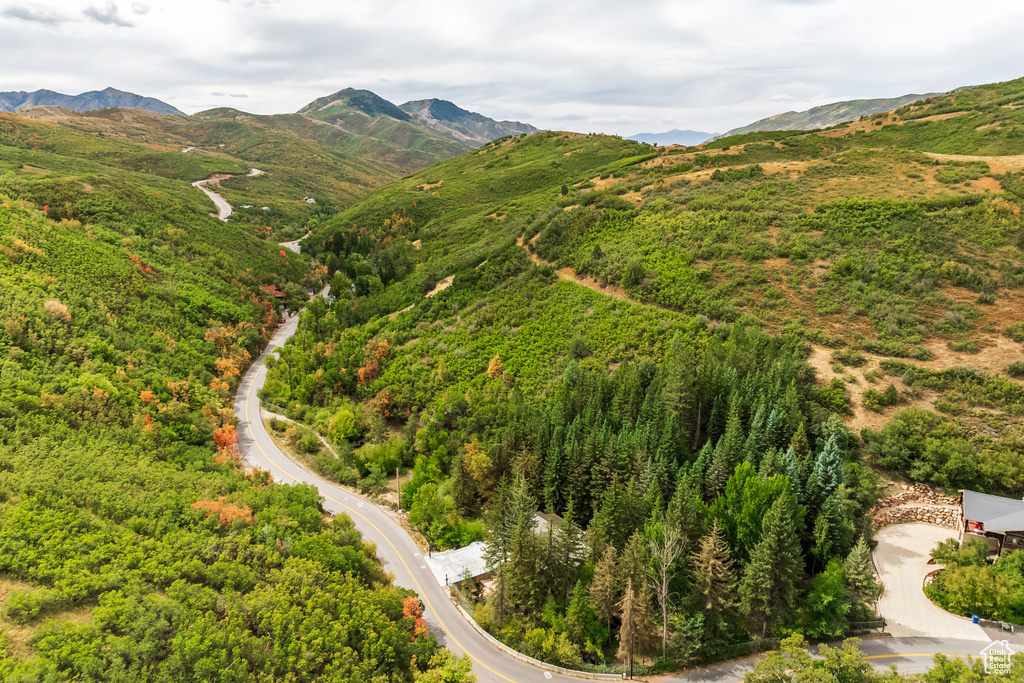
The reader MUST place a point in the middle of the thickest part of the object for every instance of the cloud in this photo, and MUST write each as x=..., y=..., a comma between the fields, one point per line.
x=590, y=65
x=139, y=8
x=227, y=94
x=34, y=15
x=108, y=15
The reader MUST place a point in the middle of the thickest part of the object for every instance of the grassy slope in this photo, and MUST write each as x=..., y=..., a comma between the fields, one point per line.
x=127, y=314
x=301, y=155
x=924, y=263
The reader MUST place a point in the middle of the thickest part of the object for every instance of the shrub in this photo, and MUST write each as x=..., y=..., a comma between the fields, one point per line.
x=24, y=606
x=850, y=358
x=309, y=443
x=964, y=346
x=1015, y=369
x=633, y=274
x=1015, y=332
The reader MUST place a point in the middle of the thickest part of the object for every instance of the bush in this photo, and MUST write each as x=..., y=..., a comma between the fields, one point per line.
x=309, y=443
x=1015, y=369
x=386, y=456
x=24, y=606
x=1015, y=332
x=964, y=346
x=633, y=274
x=876, y=400
x=850, y=358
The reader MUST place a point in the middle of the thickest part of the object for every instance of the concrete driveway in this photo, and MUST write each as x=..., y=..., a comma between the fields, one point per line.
x=902, y=563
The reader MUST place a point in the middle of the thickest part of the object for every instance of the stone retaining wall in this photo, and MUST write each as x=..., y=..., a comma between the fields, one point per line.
x=917, y=503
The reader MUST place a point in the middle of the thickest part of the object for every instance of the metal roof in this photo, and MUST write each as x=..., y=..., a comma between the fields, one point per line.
x=995, y=512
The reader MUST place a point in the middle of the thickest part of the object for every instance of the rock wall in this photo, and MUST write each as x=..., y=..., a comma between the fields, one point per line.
x=917, y=503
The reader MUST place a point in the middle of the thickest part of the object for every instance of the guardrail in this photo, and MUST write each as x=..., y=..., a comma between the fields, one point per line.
x=535, y=662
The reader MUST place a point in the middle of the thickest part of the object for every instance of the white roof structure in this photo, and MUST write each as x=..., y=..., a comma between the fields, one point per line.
x=997, y=513
x=453, y=564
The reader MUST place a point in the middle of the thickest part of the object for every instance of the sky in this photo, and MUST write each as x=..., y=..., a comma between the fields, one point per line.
x=609, y=66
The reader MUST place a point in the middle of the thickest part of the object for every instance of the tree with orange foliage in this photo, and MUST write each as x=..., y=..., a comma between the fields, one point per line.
x=227, y=513
x=495, y=368
x=411, y=608
x=382, y=402
x=226, y=440
x=147, y=396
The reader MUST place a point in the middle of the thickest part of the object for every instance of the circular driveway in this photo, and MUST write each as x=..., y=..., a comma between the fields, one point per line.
x=901, y=559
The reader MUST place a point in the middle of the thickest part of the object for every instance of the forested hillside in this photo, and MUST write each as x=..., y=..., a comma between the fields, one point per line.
x=711, y=359
x=132, y=546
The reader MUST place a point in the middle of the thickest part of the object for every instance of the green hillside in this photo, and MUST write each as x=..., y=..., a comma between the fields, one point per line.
x=132, y=546
x=772, y=326
x=828, y=115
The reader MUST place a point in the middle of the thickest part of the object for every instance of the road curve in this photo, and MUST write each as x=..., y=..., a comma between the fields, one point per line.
x=395, y=548
x=223, y=208
x=399, y=555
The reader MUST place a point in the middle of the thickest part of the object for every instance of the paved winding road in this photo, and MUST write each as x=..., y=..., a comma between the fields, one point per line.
x=223, y=208
x=400, y=556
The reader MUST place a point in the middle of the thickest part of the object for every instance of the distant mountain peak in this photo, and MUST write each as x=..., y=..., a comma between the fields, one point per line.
x=365, y=101
x=87, y=101
x=458, y=123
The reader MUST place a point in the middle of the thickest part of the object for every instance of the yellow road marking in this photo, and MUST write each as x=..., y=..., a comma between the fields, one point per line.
x=419, y=589
x=921, y=654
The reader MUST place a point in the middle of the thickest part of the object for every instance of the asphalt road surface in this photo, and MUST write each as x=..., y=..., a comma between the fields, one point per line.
x=223, y=208
x=400, y=555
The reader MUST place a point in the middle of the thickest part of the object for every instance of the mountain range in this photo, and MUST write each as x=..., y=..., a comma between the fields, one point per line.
x=673, y=137
x=827, y=115
x=87, y=101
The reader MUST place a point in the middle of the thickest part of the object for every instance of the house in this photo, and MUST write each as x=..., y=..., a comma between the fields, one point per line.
x=997, y=520
x=273, y=291
x=453, y=566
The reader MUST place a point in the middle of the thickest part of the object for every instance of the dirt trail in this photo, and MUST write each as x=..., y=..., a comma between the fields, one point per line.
x=997, y=352
x=570, y=275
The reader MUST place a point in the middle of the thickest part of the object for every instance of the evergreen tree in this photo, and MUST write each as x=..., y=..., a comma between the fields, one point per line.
x=714, y=580
x=801, y=447
x=604, y=593
x=463, y=488
x=790, y=466
x=635, y=562
x=770, y=465
x=702, y=465
x=509, y=520
x=522, y=574
x=827, y=473
x=732, y=441
x=581, y=621
x=719, y=473
x=833, y=527
x=554, y=475
x=627, y=634
x=564, y=555
x=778, y=428
x=768, y=590
x=860, y=579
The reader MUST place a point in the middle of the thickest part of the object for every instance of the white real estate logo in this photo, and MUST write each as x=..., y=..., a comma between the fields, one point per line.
x=997, y=657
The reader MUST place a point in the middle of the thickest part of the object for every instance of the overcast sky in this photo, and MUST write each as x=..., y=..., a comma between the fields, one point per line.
x=613, y=66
